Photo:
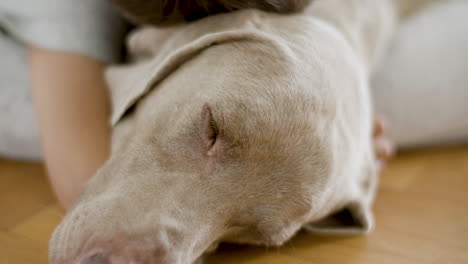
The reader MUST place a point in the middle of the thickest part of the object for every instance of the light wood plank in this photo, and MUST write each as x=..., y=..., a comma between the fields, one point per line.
x=18, y=250
x=39, y=227
x=24, y=190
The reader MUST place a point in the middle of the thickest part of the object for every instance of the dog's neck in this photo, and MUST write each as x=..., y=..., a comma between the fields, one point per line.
x=366, y=24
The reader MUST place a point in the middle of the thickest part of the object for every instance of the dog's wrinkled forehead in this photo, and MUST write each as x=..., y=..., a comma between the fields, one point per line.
x=158, y=52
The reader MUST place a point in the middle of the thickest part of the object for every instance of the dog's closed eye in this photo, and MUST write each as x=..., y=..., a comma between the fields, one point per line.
x=210, y=132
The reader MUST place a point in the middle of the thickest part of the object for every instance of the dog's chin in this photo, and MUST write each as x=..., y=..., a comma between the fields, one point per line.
x=263, y=236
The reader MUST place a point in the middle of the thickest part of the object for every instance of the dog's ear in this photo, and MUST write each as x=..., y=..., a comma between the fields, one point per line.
x=351, y=212
x=159, y=12
x=353, y=218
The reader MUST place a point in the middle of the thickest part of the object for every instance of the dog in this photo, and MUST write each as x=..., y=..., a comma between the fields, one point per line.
x=242, y=127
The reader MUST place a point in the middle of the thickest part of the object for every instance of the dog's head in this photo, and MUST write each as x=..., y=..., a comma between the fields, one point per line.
x=243, y=131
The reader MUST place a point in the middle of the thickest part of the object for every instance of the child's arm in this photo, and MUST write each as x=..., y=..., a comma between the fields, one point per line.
x=72, y=106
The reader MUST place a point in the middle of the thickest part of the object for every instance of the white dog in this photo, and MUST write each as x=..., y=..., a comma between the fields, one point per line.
x=242, y=127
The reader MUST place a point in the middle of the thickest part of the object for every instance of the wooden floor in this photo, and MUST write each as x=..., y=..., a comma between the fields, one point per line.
x=421, y=214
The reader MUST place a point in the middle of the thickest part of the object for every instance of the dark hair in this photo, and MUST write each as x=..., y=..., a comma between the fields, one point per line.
x=175, y=11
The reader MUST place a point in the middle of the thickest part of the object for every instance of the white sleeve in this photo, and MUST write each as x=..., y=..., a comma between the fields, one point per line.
x=89, y=27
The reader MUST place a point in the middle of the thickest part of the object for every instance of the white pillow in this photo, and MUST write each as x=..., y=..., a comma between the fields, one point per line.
x=422, y=86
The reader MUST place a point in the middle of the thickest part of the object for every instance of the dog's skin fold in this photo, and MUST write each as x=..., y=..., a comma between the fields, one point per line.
x=240, y=127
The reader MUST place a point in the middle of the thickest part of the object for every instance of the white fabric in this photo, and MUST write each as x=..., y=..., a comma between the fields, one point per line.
x=89, y=27
x=18, y=129
x=422, y=87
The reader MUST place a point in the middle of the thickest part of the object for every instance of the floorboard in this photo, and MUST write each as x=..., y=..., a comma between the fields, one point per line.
x=421, y=217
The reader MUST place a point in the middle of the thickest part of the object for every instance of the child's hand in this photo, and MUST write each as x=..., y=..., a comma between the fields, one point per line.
x=383, y=146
